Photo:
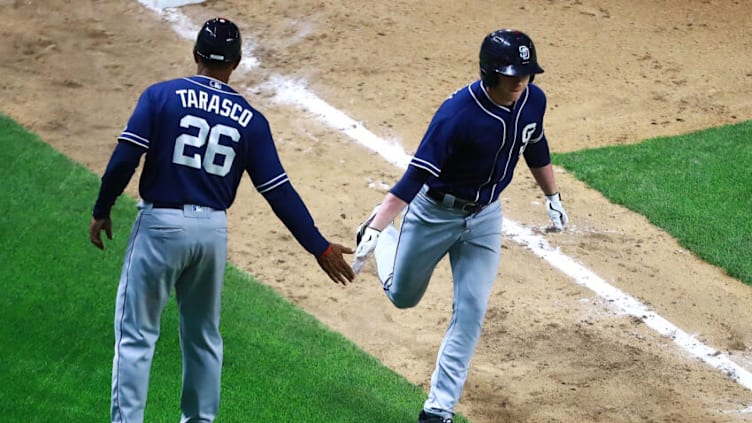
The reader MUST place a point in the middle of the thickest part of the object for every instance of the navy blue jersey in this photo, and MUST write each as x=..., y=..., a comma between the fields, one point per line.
x=472, y=144
x=201, y=136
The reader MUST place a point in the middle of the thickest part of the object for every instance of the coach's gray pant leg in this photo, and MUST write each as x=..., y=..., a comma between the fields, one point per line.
x=199, y=296
x=475, y=263
x=140, y=300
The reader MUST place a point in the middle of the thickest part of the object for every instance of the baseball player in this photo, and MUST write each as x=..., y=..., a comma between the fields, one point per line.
x=450, y=197
x=199, y=136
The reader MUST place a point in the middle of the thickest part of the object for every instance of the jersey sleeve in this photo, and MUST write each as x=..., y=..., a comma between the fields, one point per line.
x=537, y=152
x=292, y=212
x=541, y=104
x=270, y=180
x=435, y=146
x=139, y=128
x=119, y=171
x=262, y=159
x=408, y=186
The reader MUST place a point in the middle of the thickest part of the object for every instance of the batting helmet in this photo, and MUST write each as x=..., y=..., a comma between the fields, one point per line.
x=218, y=41
x=508, y=52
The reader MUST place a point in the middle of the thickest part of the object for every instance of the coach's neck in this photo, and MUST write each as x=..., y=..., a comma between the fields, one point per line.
x=218, y=70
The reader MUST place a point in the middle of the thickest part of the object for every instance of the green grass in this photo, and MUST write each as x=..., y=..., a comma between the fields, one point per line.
x=281, y=365
x=698, y=187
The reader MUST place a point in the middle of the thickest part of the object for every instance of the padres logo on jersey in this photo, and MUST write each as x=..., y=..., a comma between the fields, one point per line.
x=527, y=133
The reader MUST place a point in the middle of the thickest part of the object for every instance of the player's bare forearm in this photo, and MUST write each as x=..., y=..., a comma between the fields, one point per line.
x=388, y=211
x=544, y=176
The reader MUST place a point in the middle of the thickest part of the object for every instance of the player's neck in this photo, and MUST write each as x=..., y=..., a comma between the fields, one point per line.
x=500, y=100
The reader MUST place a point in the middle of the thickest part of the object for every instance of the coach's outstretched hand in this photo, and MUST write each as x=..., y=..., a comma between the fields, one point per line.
x=95, y=229
x=332, y=262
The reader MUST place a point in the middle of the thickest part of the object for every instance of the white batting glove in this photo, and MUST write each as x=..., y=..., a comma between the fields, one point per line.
x=556, y=211
x=365, y=248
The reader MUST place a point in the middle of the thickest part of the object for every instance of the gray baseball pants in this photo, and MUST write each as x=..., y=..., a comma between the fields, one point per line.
x=185, y=250
x=405, y=260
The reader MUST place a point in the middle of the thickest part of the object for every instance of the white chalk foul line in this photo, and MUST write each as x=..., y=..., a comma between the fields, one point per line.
x=625, y=303
x=295, y=93
x=183, y=26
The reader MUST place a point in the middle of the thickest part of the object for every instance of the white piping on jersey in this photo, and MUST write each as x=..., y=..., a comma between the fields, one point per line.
x=135, y=139
x=231, y=92
x=427, y=166
x=516, y=125
x=503, y=136
x=272, y=183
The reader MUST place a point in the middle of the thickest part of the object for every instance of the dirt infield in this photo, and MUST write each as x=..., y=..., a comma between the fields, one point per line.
x=615, y=73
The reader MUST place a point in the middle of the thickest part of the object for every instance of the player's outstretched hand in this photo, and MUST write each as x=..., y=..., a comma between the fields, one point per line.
x=335, y=265
x=96, y=227
x=365, y=248
x=556, y=211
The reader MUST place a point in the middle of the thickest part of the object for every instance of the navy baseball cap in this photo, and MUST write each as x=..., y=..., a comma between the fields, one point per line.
x=218, y=41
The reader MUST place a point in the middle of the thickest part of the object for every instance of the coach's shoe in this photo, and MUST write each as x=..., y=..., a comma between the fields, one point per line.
x=362, y=228
x=432, y=418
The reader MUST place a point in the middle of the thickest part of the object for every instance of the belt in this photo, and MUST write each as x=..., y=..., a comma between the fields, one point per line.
x=159, y=205
x=167, y=206
x=454, y=202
